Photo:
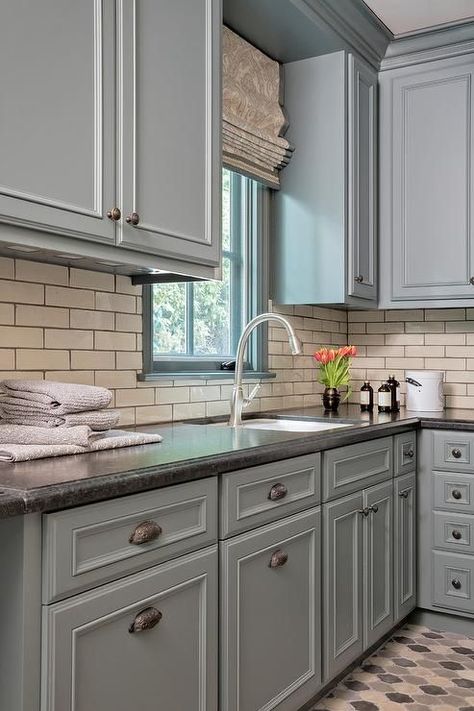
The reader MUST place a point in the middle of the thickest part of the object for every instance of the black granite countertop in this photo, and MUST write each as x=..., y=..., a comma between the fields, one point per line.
x=191, y=451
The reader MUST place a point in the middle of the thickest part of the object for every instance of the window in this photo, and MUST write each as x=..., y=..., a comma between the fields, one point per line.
x=195, y=326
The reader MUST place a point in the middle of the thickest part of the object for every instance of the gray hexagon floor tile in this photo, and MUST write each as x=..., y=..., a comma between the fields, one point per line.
x=416, y=670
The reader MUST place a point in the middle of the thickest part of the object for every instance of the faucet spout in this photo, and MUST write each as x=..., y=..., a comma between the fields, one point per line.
x=238, y=401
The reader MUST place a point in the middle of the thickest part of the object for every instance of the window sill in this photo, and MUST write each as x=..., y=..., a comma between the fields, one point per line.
x=214, y=375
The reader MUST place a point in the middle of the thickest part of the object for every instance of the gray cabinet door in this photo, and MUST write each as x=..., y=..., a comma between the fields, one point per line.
x=432, y=175
x=378, y=562
x=91, y=660
x=270, y=616
x=404, y=545
x=362, y=192
x=57, y=118
x=342, y=583
x=169, y=128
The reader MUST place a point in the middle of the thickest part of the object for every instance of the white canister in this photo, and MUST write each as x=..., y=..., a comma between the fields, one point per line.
x=425, y=390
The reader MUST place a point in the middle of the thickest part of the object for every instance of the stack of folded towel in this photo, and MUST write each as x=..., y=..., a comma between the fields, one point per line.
x=48, y=419
x=41, y=403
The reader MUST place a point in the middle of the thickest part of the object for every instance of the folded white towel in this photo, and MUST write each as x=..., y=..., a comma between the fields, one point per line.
x=81, y=435
x=97, y=420
x=111, y=440
x=53, y=397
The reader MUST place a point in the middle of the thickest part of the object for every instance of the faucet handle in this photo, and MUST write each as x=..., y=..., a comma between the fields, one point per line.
x=249, y=399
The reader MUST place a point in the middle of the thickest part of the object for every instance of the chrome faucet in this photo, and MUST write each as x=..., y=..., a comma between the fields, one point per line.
x=238, y=402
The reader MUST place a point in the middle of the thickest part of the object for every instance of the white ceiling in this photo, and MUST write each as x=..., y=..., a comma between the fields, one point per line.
x=401, y=16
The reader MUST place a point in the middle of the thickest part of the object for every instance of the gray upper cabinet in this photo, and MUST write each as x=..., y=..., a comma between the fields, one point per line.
x=270, y=616
x=110, y=128
x=362, y=207
x=426, y=178
x=325, y=212
x=169, y=127
x=148, y=641
x=57, y=142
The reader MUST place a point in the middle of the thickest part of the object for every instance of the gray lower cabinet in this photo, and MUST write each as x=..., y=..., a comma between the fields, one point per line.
x=426, y=174
x=270, y=616
x=404, y=546
x=357, y=574
x=378, y=564
x=325, y=212
x=146, y=642
x=343, y=583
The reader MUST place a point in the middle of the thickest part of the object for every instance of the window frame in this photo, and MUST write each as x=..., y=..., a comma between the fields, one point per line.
x=254, y=219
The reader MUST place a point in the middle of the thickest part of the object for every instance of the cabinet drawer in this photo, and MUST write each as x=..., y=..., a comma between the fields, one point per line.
x=453, y=578
x=89, y=545
x=404, y=453
x=251, y=497
x=146, y=642
x=453, y=451
x=351, y=468
x=453, y=492
x=453, y=532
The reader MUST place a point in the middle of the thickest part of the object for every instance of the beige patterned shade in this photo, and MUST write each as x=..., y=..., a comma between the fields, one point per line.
x=253, y=120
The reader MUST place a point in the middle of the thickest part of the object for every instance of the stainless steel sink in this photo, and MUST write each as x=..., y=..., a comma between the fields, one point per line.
x=283, y=425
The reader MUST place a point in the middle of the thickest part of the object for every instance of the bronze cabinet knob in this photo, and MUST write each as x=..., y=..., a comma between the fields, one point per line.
x=359, y=278
x=114, y=214
x=410, y=453
x=133, y=218
x=145, y=532
x=457, y=535
x=456, y=584
x=278, y=559
x=277, y=492
x=374, y=508
x=471, y=280
x=145, y=620
x=364, y=512
x=403, y=494
x=456, y=494
x=457, y=454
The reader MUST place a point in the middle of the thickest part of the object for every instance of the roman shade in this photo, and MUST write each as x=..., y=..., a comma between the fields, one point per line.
x=253, y=121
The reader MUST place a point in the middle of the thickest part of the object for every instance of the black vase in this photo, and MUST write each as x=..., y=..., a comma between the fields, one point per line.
x=331, y=399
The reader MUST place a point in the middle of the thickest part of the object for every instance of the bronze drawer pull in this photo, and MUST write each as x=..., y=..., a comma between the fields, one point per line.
x=457, y=535
x=457, y=454
x=278, y=559
x=133, y=219
x=277, y=492
x=456, y=494
x=145, y=532
x=145, y=620
x=456, y=584
x=404, y=494
x=410, y=452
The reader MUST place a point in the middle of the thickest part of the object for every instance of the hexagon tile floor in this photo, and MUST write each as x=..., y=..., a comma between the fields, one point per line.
x=417, y=669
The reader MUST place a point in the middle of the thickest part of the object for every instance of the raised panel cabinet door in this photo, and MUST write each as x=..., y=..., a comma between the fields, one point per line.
x=404, y=547
x=362, y=192
x=57, y=140
x=270, y=616
x=378, y=562
x=432, y=196
x=146, y=642
x=342, y=583
x=169, y=128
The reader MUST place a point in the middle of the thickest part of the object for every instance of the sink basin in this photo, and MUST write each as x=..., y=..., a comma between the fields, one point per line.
x=289, y=425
